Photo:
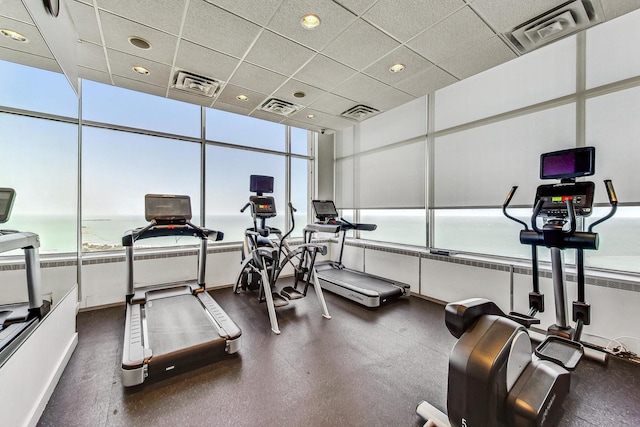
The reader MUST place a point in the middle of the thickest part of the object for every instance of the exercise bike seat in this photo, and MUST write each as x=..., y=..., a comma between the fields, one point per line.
x=461, y=315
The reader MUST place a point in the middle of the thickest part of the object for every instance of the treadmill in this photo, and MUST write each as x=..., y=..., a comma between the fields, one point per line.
x=18, y=320
x=370, y=291
x=172, y=327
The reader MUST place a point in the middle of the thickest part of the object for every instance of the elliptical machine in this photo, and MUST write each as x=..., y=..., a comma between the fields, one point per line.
x=263, y=259
x=494, y=380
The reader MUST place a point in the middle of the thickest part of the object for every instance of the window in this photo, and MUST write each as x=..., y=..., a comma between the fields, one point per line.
x=227, y=182
x=405, y=226
x=52, y=94
x=300, y=193
x=299, y=144
x=619, y=246
x=242, y=130
x=138, y=110
x=39, y=161
x=119, y=168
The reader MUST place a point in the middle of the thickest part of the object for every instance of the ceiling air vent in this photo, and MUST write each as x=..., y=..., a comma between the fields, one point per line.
x=195, y=84
x=359, y=112
x=278, y=106
x=559, y=22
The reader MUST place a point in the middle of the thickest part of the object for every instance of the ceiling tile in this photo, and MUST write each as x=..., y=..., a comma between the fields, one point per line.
x=454, y=34
x=230, y=92
x=15, y=10
x=257, y=78
x=407, y=18
x=122, y=64
x=332, y=104
x=117, y=31
x=164, y=15
x=139, y=86
x=322, y=119
x=231, y=108
x=478, y=58
x=334, y=19
x=387, y=98
x=94, y=75
x=612, y=9
x=85, y=21
x=426, y=82
x=324, y=72
x=35, y=45
x=258, y=11
x=181, y=95
x=356, y=6
x=505, y=15
x=359, y=88
x=264, y=115
x=413, y=63
x=28, y=59
x=287, y=90
x=278, y=54
x=303, y=125
x=218, y=29
x=92, y=56
x=205, y=62
x=360, y=45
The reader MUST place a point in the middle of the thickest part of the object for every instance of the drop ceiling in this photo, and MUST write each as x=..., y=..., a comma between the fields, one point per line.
x=258, y=48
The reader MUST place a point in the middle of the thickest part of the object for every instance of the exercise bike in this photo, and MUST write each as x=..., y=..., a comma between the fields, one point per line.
x=264, y=258
x=494, y=379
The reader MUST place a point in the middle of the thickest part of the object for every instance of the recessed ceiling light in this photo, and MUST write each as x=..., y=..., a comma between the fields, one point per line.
x=139, y=42
x=13, y=35
x=140, y=70
x=311, y=116
x=396, y=68
x=242, y=97
x=299, y=94
x=310, y=21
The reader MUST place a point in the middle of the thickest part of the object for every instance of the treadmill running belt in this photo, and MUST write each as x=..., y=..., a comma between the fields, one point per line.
x=365, y=284
x=177, y=323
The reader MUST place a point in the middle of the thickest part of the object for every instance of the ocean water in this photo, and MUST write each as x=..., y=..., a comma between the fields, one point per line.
x=484, y=234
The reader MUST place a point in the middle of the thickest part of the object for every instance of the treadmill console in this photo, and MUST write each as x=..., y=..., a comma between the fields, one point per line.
x=7, y=195
x=325, y=210
x=554, y=198
x=167, y=208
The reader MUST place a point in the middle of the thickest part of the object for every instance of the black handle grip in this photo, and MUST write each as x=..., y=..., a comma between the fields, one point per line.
x=245, y=207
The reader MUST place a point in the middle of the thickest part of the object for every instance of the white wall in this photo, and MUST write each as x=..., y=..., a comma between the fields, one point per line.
x=30, y=375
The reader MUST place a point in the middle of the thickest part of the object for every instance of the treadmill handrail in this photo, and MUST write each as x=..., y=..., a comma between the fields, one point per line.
x=162, y=230
x=10, y=240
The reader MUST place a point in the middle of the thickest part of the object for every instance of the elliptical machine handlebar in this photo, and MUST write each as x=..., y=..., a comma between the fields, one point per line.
x=512, y=192
x=613, y=201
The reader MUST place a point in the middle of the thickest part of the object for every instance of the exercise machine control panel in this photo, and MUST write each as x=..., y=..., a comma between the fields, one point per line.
x=554, y=198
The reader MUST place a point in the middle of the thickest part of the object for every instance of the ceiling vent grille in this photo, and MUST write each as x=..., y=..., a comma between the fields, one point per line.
x=559, y=22
x=195, y=84
x=278, y=106
x=359, y=112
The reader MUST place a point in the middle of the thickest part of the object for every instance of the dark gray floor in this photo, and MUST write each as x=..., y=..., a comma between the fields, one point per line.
x=362, y=367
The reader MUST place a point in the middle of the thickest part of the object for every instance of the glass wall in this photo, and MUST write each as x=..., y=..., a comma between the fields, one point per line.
x=118, y=169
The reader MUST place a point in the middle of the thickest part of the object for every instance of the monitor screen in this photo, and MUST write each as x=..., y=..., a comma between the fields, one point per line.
x=261, y=184
x=571, y=163
x=6, y=201
x=325, y=209
x=167, y=208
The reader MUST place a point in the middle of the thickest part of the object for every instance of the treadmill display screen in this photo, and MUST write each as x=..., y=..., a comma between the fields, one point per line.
x=261, y=184
x=6, y=202
x=568, y=163
x=325, y=209
x=167, y=208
